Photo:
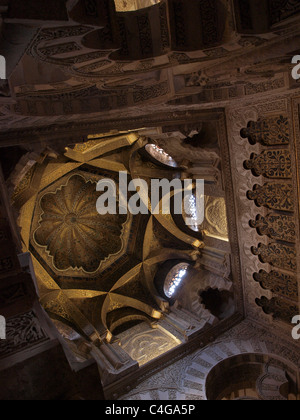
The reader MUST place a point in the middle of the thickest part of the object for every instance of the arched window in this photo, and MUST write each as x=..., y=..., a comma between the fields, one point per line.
x=160, y=155
x=131, y=5
x=190, y=212
x=175, y=278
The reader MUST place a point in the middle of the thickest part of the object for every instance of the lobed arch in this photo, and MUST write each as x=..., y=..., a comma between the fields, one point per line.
x=212, y=363
x=264, y=371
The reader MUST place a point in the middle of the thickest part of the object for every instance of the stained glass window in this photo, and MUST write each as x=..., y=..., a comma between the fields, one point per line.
x=175, y=278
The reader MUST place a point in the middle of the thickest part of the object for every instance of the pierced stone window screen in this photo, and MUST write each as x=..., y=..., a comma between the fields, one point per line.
x=191, y=213
x=215, y=224
x=175, y=278
x=131, y=5
x=160, y=155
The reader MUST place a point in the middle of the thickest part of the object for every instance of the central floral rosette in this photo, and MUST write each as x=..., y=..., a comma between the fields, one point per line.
x=72, y=230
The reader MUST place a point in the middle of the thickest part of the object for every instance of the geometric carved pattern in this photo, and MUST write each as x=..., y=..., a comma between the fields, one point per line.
x=276, y=227
x=282, y=9
x=60, y=49
x=145, y=35
x=268, y=131
x=279, y=308
x=274, y=163
x=211, y=27
x=276, y=254
x=280, y=284
x=216, y=217
x=271, y=164
x=181, y=30
x=72, y=230
x=273, y=196
x=143, y=343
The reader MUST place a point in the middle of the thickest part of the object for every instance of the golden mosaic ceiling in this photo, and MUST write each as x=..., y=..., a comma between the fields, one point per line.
x=71, y=230
x=68, y=235
x=95, y=272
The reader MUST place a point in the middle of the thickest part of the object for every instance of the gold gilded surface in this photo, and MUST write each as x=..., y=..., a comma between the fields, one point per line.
x=85, y=152
x=72, y=231
x=57, y=171
x=68, y=233
x=25, y=220
x=89, y=266
x=216, y=217
x=108, y=164
x=45, y=281
x=24, y=183
x=168, y=223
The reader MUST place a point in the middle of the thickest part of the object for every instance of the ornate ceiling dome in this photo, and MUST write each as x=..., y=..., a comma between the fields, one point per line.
x=72, y=231
x=70, y=239
x=97, y=273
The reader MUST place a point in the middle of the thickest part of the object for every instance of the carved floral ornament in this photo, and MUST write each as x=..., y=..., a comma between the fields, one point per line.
x=72, y=231
x=268, y=131
x=279, y=308
x=276, y=196
x=22, y=332
x=100, y=45
x=276, y=254
x=95, y=272
x=276, y=227
x=68, y=234
x=271, y=164
x=280, y=251
x=281, y=284
x=216, y=216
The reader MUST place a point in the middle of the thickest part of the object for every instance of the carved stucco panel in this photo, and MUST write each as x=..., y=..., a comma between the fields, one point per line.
x=244, y=180
x=187, y=378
